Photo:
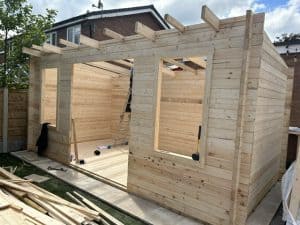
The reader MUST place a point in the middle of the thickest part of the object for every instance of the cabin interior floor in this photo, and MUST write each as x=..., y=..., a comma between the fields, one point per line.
x=111, y=164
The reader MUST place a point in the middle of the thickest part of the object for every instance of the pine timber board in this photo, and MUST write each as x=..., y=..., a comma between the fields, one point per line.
x=145, y=210
x=111, y=164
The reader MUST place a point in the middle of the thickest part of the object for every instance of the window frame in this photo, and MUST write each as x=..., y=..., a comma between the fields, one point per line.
x=73, y=34
x=206, y=103
x=42, y=104
x=50, y=38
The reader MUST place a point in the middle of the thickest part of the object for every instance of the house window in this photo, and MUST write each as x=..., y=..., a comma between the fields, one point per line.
x=52, y=38
x=73, y=34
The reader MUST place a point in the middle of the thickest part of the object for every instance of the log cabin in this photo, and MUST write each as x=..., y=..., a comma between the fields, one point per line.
x=192, y=118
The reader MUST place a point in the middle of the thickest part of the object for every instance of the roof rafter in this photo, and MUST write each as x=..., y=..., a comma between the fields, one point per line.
x=175, y=23
x=51, y=48
x=68, y=43
x=32, y=52
x=179, y=64
x=39, y=48
x=89, y=42
x=145, y=31
x=112, y=34
x=209, y=17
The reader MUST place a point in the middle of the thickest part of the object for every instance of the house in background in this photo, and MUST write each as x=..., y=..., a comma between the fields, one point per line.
x=91, y=24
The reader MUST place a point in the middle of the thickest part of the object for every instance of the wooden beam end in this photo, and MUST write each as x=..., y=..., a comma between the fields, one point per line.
x=209, y=17
x=144, y=31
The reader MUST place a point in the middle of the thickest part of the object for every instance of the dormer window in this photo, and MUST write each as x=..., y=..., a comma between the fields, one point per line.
x=73, y=34
x=52, y=38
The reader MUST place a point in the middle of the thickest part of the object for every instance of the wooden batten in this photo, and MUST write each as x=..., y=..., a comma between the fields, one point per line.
x=209, y=17
x=52, y=48
x=68, y=43
x=181, y=65
x=32, y=52
x=89, y=42
x=175, y=23
x=145, y=31
x=112, y=34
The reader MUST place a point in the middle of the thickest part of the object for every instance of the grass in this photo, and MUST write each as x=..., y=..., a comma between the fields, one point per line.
x=60, y=188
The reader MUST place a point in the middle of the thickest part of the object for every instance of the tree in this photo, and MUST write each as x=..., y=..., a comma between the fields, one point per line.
x=19, y=27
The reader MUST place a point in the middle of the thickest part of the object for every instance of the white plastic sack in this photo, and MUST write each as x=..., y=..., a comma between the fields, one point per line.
x=286, y=188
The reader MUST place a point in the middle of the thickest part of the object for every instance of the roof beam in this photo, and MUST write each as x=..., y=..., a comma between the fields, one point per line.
x=124, y=63
x=112, y=34
x=32, y=52
x=111, y=67
x=52, y=48
x=39, y=48
x=68, y=43
x=209, y=17
x=175, y=23
x=145, y=31
x=199, y=61
x=89, y=42
x=181, y=65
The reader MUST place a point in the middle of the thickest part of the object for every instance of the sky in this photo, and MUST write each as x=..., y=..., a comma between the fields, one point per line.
x=282, y=16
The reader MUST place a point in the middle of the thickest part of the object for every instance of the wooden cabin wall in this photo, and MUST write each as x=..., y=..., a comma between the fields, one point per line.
x=49, y=93
x=244, y=143
x=206, y=192
x=181, y=112
x=203, y=193
x=120, y=91
x=91, y=103
x=182, y=184
x=59, y=136
x=34, y=102
x=269, y=123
